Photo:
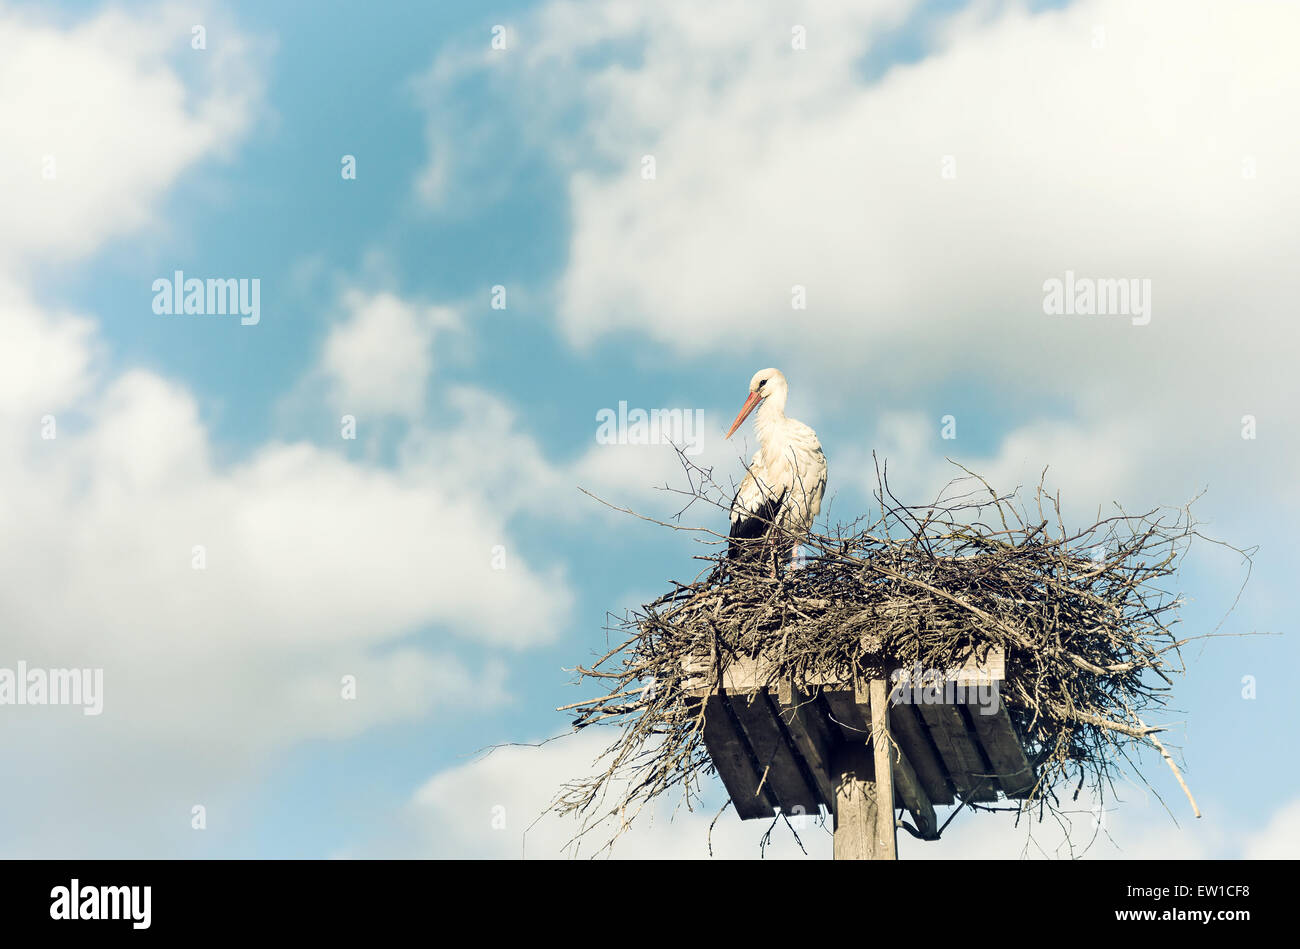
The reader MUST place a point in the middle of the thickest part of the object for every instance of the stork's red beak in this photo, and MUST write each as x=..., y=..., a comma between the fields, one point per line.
x=753, y=400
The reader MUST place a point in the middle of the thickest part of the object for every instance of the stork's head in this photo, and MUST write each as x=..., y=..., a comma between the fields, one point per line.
x=766, y=384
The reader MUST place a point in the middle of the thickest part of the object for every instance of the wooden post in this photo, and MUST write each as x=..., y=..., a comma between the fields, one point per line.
x=882, y=748
x=864, y=790
x=853, y=774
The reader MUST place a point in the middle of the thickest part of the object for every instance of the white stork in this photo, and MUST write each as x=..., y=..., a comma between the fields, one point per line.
x=787, y=476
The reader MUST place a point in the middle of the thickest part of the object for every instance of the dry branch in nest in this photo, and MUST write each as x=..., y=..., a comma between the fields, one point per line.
x=1084, y=617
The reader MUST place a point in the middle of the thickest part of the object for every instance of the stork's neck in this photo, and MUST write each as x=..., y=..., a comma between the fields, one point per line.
x=769, y=418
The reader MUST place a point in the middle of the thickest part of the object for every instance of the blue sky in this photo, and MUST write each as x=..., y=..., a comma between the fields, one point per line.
x=1105, y=153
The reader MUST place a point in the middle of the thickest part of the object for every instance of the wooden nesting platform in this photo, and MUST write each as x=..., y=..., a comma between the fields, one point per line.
x=779, y=748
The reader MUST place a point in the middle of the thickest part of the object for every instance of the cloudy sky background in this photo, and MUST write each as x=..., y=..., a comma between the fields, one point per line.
x=1154, y=141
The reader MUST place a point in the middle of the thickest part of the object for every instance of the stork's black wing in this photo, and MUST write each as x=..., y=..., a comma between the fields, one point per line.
x=752, y=525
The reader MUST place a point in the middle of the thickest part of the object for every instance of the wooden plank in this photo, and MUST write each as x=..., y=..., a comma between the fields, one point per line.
x=734, y=761
x=914, y=686
x=939, y=753
x=914, y=738
x=804, y=719
x=886, y=846
x=776, y=761
x=911, y=794
x=743, y=673
x=848, y=716
x=1002, y=746
x=993, y=666
x=959, y=753
x=853, y=770
x=862, y=693
x=740, y=674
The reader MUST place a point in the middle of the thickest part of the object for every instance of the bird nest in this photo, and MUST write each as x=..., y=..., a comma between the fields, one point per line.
x=1085, y=618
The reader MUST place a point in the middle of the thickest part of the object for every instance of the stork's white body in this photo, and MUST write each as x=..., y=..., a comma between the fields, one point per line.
x=787, y=475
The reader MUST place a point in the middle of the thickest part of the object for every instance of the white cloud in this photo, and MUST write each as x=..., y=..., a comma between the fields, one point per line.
x=485, y=453
x=1091, y=464
x=1280, y=840
x=117, y=108
x=483, y=809
x=303, y=550
x=459, y=813
x=315, y=567
x=380, y=359
x=46, y=358
x=778, y=167
x=516, y=474
x=1133, y=827
x=635, y=475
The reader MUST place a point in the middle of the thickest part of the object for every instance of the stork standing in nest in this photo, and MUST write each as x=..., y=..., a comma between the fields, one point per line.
x=782, y=492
